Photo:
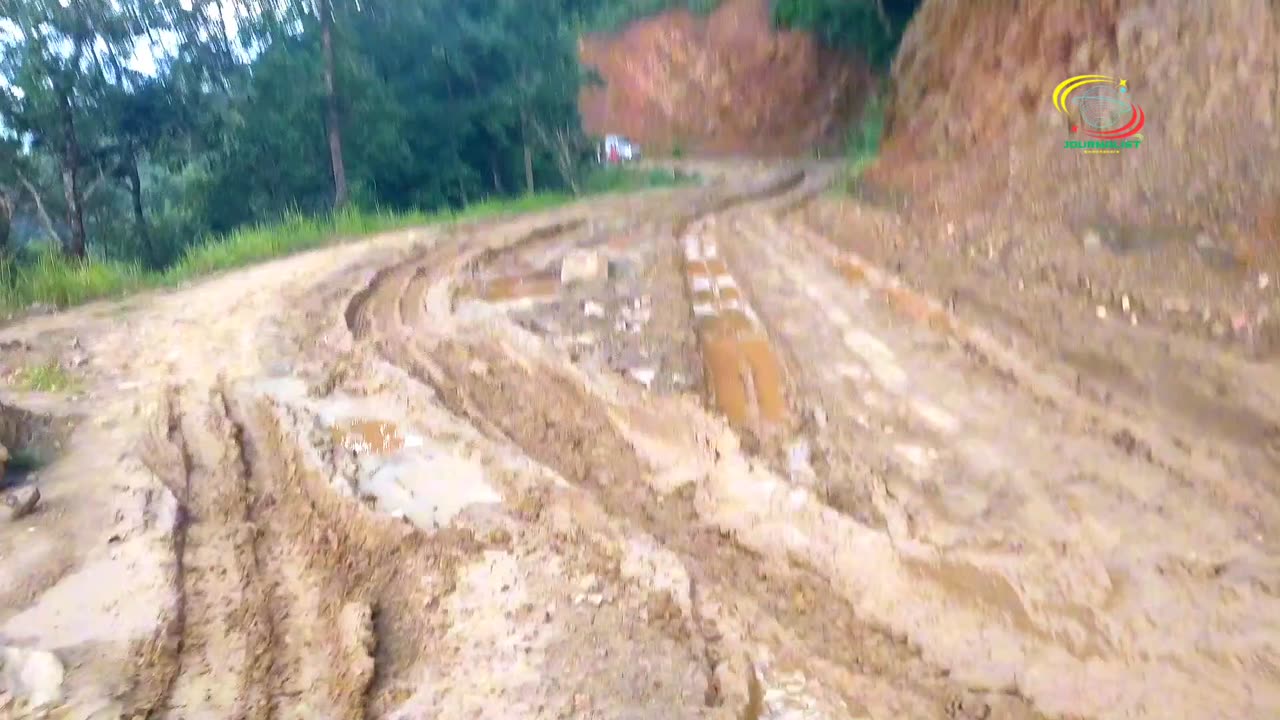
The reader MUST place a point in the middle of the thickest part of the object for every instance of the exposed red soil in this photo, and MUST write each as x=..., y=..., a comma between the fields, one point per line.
x=971, y=114
x=729, y=83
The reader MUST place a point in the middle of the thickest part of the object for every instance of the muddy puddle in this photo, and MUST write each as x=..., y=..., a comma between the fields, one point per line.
x=541, y=286
x=369, y=436
x=744, y=378
x=392, y=464
x=28, y=442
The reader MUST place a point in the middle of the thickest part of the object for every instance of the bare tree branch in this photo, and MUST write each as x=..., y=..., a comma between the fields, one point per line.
x=40, y=209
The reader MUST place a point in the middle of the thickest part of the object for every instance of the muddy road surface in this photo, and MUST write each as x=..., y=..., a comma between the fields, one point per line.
x=668, y=455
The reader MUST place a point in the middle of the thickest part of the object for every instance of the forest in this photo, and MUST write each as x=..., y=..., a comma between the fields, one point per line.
x=133, y=131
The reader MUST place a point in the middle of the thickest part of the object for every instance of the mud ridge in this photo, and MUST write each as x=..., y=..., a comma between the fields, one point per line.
x=163, y=452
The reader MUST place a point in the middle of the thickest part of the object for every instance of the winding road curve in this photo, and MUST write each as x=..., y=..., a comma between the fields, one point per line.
x=340, y=485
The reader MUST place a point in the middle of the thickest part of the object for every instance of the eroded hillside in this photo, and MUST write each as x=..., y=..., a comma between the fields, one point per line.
x=973, y=82
x=724, y=84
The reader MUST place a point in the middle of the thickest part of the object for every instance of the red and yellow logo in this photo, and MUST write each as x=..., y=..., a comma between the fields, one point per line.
x=1098, y=107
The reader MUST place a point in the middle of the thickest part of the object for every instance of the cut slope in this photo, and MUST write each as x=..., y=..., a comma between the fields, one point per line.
x=729, y=83
x=972, y=109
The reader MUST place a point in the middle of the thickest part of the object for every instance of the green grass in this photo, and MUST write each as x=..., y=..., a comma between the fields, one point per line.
x=614, y=16
x=863, y=143
x=294, y=233
x=626, y=179
x=49, y=377
x=50, y=279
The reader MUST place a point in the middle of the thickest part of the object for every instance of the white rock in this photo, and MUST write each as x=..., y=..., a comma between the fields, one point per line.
x=1092, y=240
x=582, y=266
x=33, y=677
x=644, y=376
x=592, y=309
x=1263, y=281
x=1101, y=312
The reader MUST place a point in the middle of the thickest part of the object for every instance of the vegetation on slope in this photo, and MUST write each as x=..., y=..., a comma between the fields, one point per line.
x=614, y=15
x=132, y=131
x=43, y=275
x=872, y=28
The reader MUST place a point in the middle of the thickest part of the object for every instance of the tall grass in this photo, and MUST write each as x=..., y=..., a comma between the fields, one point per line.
x=49, y=279
x=45, y=277
x=293, y=233
x=862, y=145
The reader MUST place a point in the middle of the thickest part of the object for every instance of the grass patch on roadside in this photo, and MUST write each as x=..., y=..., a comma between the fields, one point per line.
x=294, y=233
x=615, y=179
x=44, y=277
x=47, y=278
x=48, y=377
x=862, y=146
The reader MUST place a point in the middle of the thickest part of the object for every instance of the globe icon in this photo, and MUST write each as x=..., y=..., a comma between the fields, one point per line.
x=1101, y=108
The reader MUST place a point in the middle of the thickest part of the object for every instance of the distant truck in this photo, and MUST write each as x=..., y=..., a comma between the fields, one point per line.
x=617, y=149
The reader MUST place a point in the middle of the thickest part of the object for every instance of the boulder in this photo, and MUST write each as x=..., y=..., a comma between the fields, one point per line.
x=21, y=502
x=582, y=266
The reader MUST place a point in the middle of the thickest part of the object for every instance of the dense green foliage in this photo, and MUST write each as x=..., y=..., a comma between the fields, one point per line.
x=132, y=130
x=613, y=15
x=870, y=27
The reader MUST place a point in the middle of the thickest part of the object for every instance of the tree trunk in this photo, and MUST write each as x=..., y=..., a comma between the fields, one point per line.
x=139, y=217
x=497, y=177
x=558, y=143
x=528, y=168
x=74, y=245
x=6, y=222
x=528, y=154
x=340, y=195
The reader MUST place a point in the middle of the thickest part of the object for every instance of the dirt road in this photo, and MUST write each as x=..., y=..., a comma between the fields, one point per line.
x=722, y=469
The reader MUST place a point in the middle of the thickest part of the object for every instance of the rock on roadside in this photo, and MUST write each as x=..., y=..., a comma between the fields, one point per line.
x=21, y=502
x=4, y=459
x=582, y=266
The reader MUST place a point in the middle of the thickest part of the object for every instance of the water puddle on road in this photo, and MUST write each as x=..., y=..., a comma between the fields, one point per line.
x=429, y=489
x=369, y=436
x=399, y=469
x=743, y=375
x=540, y=286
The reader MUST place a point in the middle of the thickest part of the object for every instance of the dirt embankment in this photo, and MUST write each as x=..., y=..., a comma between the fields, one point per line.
x=972, y=114
x=729, y=83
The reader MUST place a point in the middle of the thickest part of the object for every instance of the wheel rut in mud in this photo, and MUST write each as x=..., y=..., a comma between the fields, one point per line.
x=550, y=417
x=726, y=472
x=292, y=602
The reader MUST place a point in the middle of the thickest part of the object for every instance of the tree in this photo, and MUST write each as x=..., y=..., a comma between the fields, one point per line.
x=325, y=10
x=69, y=62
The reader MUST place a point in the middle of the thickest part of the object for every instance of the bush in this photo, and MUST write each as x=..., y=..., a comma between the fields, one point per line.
x=871, y=27
x=614, y=15
x=862, y=144
x=45, y=276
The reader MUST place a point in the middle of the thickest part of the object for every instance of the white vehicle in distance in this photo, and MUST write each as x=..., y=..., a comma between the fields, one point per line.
x=617, y=149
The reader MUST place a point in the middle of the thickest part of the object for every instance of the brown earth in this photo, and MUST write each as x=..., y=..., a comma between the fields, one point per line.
x=1180, y=232
x=729, y=83
x=362, y=488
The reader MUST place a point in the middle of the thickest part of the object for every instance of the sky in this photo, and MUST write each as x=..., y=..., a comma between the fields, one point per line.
x=145, y=58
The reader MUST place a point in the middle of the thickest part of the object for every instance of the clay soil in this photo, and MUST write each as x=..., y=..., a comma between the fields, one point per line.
x=390, y=481
x=727, y=84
